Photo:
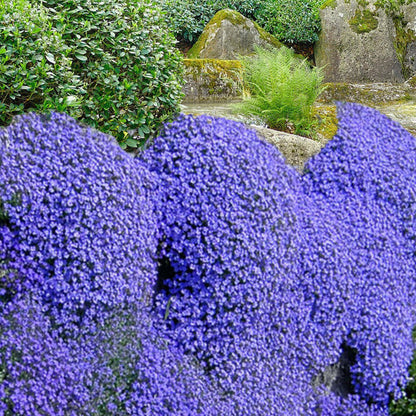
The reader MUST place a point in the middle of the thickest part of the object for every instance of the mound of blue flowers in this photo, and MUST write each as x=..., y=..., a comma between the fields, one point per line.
x=205, y=277
x=77, y=247
x=366, y=179
x=271, y=284
x=77, y=227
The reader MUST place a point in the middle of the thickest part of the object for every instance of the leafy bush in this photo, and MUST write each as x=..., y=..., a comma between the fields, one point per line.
x=188, y=18
x=111, y=64
x=35, y=69
x=291, y=21
x=282, y=89
x=77, y=226
x=125, y=55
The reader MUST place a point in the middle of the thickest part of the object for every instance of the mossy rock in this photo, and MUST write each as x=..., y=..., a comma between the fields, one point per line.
x=229, y=35
x=327, y=122
x=357, y=43
x=371, y=94
x=212, y=80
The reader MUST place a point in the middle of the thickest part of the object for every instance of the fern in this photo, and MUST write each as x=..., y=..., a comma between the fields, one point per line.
x=280, y=90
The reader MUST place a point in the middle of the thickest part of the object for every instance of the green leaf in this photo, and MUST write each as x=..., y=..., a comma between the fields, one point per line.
x=132, y=142
x=80, y=57
x=50, y=58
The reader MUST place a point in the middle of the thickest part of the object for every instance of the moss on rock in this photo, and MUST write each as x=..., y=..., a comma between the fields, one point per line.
x=327, y=122
x=236, y=19
x=212, y=79
x=367, y=94
x=364, y=21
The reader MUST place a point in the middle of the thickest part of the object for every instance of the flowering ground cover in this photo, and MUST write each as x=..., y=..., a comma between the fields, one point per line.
x=205, y=277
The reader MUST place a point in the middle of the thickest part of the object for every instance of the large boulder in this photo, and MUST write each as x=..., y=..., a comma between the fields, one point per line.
x=356, y=43
x=409, y=32
x=212, y=80
x=228, y=35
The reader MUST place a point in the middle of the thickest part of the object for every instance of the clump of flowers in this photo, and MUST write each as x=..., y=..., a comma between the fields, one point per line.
x=124, y=368
x=77, y=248
x=207, y=277
x=366, y=179
x=76, y=225
x=228, y=290
x=266, y=284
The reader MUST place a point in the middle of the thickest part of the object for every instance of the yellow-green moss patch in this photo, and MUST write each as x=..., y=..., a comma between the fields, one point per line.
x=213, y=79
x=364, y=21
x=327, y=122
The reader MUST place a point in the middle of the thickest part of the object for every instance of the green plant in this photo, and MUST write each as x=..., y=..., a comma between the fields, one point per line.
x=188, y=18
x=291, y=21
x=35, y=67
x=282, y=88
x=125, y=56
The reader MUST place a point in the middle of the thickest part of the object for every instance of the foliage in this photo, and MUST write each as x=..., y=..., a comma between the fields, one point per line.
x=282, y=89
x=392, y=6
x=291, y=21
x=125, y=55
x=35, y=69
x=111, y=64
x=406, y=405
x=189, y=17
x=264, y=279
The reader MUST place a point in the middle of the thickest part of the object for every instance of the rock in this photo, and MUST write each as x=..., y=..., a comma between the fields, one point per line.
x=409, y=34
x=212, y=80
x=228, y=35
x=297, y=150
x=337, y=377
x=356, y=43
x=372, y=95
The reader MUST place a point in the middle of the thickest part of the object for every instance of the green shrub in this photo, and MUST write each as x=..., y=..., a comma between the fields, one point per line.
x=123, y=52
x=291, y=21
x=187, y=18
x=35, y=69
x=282, y=88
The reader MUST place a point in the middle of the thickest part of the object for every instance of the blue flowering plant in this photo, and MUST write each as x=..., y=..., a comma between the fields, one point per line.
x=206, y=276
x=68, y=199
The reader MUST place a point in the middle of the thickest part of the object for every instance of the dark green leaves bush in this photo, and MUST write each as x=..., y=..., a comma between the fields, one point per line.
x=125, y=54
x=35, y=67
x=188, y=18
x=291, y=21
x=113, y=61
